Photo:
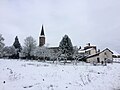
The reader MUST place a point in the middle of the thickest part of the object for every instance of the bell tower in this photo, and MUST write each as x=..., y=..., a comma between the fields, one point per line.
x=42, y=38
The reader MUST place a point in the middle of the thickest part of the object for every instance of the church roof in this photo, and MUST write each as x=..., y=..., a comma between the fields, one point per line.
x=42, y=31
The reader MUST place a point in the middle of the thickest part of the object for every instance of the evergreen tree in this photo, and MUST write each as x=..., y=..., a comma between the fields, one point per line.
x=1, y=44
x=17, y=45
x=66, y=46
x=1, y=41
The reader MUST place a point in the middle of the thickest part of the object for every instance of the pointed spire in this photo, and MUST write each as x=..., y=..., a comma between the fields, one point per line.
x=42, y=31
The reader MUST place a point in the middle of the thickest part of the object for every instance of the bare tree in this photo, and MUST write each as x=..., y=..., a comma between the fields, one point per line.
x=29, y=46
x=75, y=55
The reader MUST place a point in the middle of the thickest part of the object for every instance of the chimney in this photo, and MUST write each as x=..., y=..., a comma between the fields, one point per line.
x=98, y=50
x=88, y=44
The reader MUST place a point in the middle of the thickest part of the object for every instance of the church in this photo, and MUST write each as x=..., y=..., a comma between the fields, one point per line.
x=42, y=42
x=42, y=38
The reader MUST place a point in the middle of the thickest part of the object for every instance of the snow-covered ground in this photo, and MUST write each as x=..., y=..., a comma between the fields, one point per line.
x=33, y=75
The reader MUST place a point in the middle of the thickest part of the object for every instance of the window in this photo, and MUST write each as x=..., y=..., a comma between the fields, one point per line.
x=98, y=60
x=105, y=59
x=105, y=53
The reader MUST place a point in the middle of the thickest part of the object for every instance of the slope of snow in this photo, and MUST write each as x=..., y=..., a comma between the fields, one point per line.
x=32, y=75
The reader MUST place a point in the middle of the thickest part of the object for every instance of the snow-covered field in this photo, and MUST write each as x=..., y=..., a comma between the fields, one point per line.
x=33, y=75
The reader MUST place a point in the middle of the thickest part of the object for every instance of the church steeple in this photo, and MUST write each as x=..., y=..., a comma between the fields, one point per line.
x=42, y=37
x=42, y=31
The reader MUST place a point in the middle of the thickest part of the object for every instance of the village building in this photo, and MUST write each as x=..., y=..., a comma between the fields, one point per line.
x=99, y=57
x=88, y=50
x=42, y=42
x=42, y=38
x=93, y=55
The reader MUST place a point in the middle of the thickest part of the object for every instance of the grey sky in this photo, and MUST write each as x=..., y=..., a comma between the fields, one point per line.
x=94, y=21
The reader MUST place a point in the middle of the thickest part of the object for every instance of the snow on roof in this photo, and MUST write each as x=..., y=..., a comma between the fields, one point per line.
x=89, y=49
x=83, y=51
x=115, y=53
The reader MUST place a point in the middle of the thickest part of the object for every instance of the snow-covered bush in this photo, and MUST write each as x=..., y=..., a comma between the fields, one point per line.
x=41, y=53
x=9, y=51
x=54, y=56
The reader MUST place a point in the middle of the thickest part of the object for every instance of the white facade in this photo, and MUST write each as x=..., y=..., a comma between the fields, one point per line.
x=105, y=55
x=90, y=51
x=92, y=58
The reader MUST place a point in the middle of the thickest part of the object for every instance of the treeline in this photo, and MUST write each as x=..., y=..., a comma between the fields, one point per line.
x=65, y=51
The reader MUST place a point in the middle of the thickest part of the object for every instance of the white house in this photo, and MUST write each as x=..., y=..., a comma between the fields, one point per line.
x=105, y=55
x=88, y=50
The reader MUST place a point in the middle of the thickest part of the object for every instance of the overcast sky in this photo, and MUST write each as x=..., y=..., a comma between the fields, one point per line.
x=94, y=21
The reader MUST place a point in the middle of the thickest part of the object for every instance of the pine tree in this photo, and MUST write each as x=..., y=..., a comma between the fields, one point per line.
x=1, y=41
x=66, y=46
x=17, y=45
x=1, y=44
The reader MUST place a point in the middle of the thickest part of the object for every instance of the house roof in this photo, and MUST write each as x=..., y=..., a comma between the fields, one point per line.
x=93, y=55
x=88, y=47
x=106, y=49
x=83, y=51
x=115, y=53
x=53, y=47
x=99, y=53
